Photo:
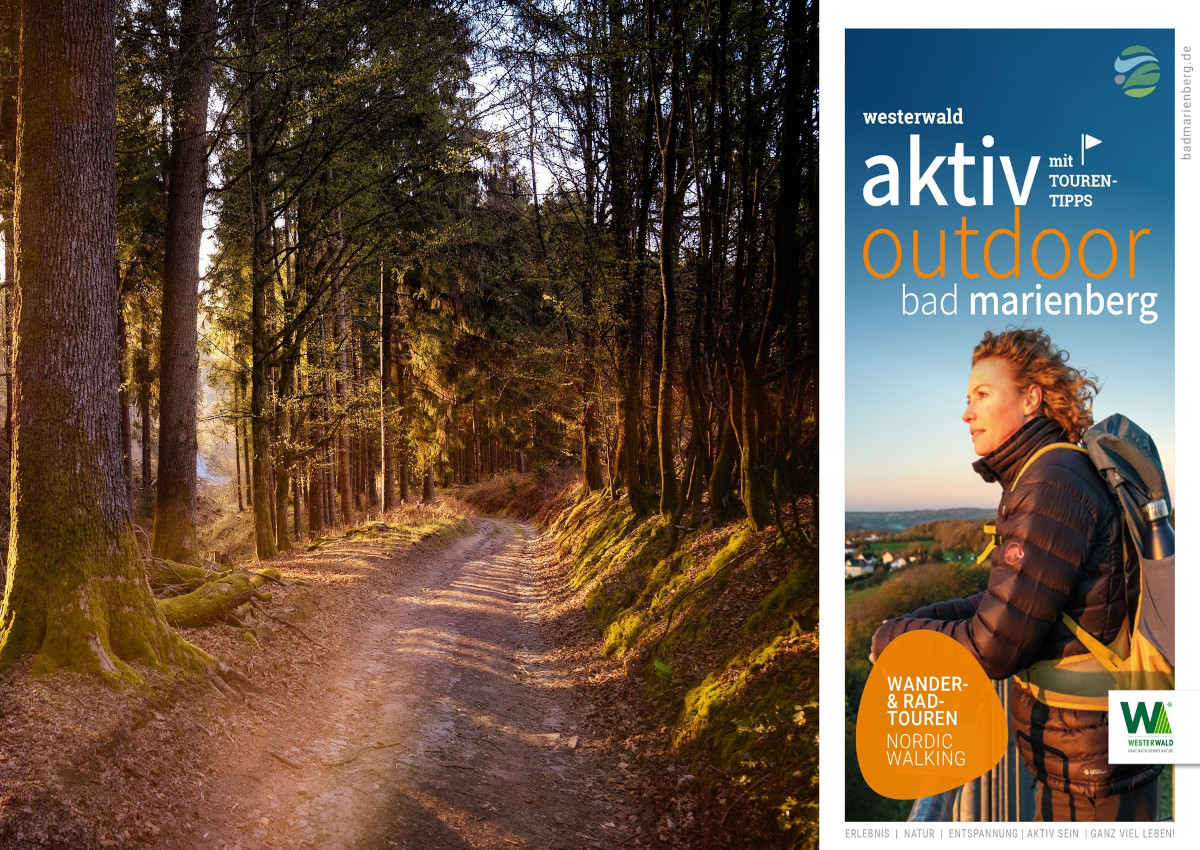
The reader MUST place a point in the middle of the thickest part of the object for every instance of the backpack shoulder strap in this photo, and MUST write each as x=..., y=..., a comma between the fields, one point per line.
x=1043, y=450
x=1105, y=655
x=990, y=527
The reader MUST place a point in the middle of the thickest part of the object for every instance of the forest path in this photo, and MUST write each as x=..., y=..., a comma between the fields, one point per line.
x=441, y=723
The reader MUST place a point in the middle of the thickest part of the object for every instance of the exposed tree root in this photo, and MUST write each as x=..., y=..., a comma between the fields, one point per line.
x=171, y=578
x=213, y=600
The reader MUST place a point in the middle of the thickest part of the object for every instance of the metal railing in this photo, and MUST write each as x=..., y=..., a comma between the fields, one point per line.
x=1004, y=793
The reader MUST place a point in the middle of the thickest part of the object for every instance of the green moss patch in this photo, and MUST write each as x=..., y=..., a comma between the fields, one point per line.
x=722, y=631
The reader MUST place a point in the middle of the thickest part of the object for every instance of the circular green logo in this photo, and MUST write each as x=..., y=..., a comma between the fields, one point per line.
x=1137, y=71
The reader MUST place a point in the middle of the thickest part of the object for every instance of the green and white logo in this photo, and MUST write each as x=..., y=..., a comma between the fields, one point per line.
x=1153, y=727
x=1137, y=71
x=1150, y=721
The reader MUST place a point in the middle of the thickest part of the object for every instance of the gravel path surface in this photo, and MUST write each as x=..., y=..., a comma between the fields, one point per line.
x=441, y=722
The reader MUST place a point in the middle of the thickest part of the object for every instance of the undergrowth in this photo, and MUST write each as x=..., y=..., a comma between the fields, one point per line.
x=721, y=632
x=231, y=535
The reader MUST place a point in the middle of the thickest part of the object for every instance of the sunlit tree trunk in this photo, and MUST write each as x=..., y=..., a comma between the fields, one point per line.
x=145, y=378
x=237, y=443
x=403, y=459
x=668, y=126
x=10, y=33
x=77, y=596
x=175, y=510
x=427, y=492
x=285, y=388
x=387, y=385
x=241, y=423
x=264, y=535
x=630, y=323
x=283, y=461
x=123, y=406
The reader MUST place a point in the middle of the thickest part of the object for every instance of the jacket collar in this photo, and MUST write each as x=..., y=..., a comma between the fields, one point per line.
x=1005, y=462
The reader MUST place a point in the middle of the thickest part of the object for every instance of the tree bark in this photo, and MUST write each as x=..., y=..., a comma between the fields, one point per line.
x=316, y=520
x=241, y=423
x=297, y=526
x=237, y=447
x=387, y=390
x=77, y=596
x=340, y=380
x=399, y=369
x=668, y=145
x=427, y=493
x=264, y=536
x=123, y=406
x=9, y=50
x=285, y=387
x=175, y=535
x=145, y=384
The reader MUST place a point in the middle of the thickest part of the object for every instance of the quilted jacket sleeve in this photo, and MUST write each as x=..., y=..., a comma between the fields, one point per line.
x=1047, y=524
x=951, y=609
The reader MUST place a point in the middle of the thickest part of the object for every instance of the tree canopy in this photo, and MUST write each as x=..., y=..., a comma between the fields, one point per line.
x=446, y=240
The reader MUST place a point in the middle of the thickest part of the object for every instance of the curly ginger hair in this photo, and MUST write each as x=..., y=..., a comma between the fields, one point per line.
x=1067, y=392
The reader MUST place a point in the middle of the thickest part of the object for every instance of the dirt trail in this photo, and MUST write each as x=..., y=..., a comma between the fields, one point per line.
x=441, y=723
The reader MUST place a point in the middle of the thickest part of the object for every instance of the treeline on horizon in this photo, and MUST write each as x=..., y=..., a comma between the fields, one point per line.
x=951, y=535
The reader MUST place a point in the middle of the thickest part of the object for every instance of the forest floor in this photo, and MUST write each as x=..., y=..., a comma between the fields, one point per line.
x=442, y=694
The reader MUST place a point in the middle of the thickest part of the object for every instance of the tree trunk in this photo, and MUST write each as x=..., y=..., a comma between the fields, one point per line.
x=297, y=527
x=631, y=412
x=77, y=594
x=590, y=448
x=237, y=454
x=754, y=492
x=10, y=44
x=123, y=404
x=175, y=535
x=372, y=462
x=260, y=284
x=9, y=312
x=427, y=494
x=242, y=424
x=328, y=481
x=343, y=440
x=145, y=379
x=387, y=391
x=720, y=482
x=400, y=371
x=283, y=430
x=316, y=521
x=361, y=468
x=283, y=488
x=668, y=127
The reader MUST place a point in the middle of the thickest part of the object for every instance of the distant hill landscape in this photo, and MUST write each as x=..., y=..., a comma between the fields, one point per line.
x=903, y=520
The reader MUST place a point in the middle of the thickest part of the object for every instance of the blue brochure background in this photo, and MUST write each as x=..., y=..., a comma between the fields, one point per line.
x=1036, y=92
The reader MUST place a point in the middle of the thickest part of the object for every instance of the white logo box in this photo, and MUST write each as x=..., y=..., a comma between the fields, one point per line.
x=1154, y=727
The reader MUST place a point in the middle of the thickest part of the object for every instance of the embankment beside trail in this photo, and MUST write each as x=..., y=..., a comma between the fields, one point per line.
x=718, y=637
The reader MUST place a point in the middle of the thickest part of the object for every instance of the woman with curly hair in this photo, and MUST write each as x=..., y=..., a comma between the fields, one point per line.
x=1060, y=553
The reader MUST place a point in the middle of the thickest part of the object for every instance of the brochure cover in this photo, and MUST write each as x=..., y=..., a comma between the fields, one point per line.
x=1010, y=275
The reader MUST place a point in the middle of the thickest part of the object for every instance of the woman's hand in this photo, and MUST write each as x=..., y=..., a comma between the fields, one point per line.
x=871, y=657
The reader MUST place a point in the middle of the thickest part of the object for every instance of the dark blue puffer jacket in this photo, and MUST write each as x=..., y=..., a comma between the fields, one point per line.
x=1061, y=552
